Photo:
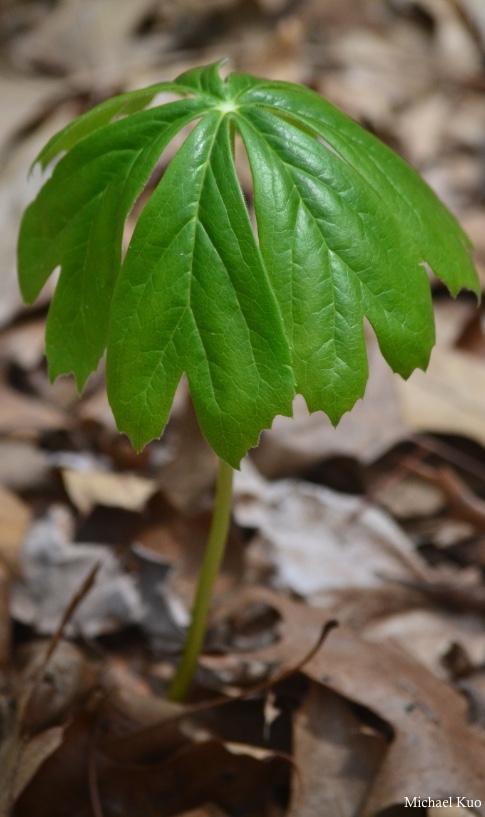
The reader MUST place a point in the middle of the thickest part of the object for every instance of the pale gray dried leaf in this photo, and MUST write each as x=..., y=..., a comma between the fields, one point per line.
x=164, y=615
x=320, y=540
x=54, y=569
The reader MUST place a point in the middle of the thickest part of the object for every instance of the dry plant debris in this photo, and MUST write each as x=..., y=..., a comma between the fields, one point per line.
x=379, y=523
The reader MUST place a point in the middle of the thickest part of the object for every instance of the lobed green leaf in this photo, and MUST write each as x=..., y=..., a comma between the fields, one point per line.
x=344, y=231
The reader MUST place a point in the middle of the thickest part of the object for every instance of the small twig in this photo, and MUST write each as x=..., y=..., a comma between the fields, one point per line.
x=462, y=502
x=130, y=746
x=464, y=597
x=26, y=701
x=93, y=781
x=471, y=465
x=79, y=595
x=393, y=477
x=4, y=616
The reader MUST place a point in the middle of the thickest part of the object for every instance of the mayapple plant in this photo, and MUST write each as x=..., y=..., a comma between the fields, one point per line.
x=345, y=229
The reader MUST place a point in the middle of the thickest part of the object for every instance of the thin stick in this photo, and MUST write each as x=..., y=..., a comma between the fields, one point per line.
x=210, y=568
x=93, y=782
x=79, y=595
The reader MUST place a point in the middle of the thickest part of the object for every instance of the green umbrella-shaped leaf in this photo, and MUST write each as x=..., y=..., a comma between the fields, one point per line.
x=344, y=231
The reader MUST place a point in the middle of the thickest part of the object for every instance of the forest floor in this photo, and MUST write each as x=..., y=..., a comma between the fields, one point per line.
x=378, y=525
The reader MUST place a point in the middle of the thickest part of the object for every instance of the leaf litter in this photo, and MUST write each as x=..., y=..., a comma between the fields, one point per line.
x=392, y=705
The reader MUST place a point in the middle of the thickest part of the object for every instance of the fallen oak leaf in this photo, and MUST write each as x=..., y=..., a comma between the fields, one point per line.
x=144, y=742
x=337, y=753
x=435, y=751
x=210, y=773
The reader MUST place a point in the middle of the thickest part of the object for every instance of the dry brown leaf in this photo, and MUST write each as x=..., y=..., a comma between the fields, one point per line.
x=427, y=635
x=95, y=38
x=277, y=54
x=435, y=751
x=96, y=409
x=169, y=556
x=410, y=498
x=25, y=416
x=472, y=221
x=15, y=517
x=449, y=397
x=5, y=635
x=476, y=13
x=189, y=473
x=462, y=503
x=457, y=50
x=23, y=344
x=377, y=72
x=198, y=773
x=22, y=465
x=20, y=760
x=131, y=698
x=17, y=188
x=22, y=99
x=86, y=489
x=206, y=811
x=371, y=428
x=337, y=756
x=422, y=126
x=52, y=698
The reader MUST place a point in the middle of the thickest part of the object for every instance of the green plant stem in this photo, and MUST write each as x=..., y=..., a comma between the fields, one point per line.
x=210, y=568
